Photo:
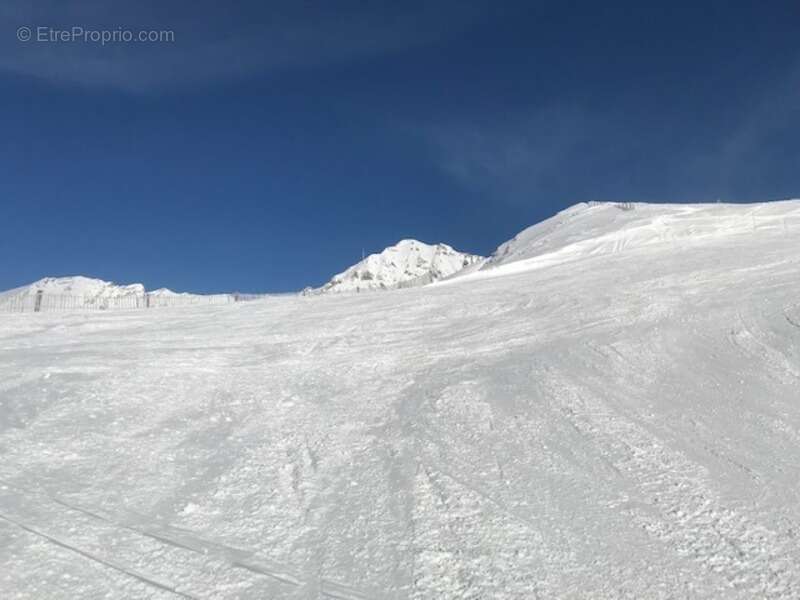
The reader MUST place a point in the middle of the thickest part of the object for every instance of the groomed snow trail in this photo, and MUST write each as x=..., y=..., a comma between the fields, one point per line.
x=614, y=415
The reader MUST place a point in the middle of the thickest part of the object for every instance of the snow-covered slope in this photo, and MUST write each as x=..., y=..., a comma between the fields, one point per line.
x=409, y=263
x=589, y=229
x=590, y=420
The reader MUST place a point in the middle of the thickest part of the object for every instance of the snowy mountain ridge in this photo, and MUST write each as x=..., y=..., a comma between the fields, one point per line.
x=409, y=263
x=581, y=231
x=78, y=285
x=76, y=292
x=89, y=288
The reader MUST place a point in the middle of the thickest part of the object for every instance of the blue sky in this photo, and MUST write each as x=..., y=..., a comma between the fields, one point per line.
x=270, y=142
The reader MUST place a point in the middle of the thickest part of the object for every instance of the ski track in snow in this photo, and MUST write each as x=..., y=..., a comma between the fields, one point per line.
x=177, y=539
x=617, y=419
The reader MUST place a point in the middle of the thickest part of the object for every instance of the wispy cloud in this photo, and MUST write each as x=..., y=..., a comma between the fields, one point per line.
x=765, y=138
x=216, y=41
x=516, y=156
x=574, y=153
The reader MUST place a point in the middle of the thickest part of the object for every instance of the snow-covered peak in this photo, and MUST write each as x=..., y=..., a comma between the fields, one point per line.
x=86, y=287
x=73, y=293
x=408, y=263
x=167, y=293
x=84, y=290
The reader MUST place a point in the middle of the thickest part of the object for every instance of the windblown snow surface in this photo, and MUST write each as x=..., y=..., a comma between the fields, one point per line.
x=611, y=410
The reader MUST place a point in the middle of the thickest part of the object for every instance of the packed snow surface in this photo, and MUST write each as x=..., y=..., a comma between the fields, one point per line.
x=409, y=263
x=611, y=410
